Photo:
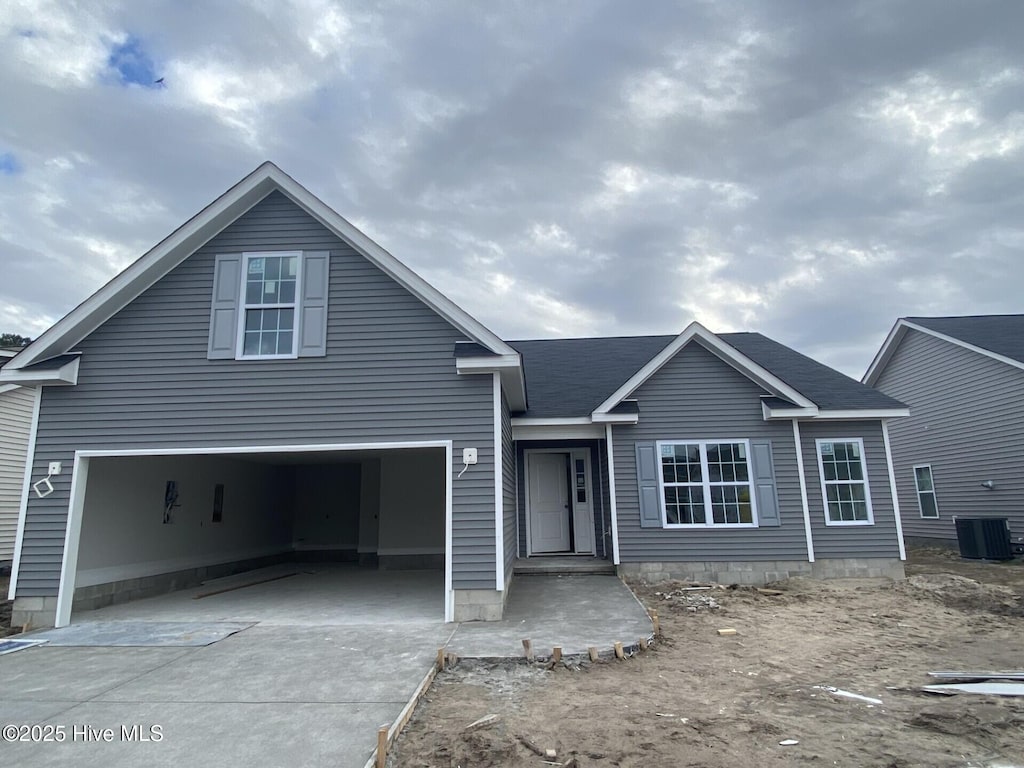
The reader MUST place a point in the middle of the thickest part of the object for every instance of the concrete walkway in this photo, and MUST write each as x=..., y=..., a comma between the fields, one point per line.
x=309, y=692
x=574, y=612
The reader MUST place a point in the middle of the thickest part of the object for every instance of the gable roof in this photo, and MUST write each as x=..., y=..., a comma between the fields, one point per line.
x=1000, y=337
x=181, y=243
x=573, y=377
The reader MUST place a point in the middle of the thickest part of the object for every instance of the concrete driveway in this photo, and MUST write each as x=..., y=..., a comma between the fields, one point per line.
x=291, y=689
x=267, y=696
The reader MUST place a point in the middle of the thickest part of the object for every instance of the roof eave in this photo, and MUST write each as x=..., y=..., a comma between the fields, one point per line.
x=65, y=375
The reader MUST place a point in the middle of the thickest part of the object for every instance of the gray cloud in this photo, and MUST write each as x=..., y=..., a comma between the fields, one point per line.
x=809, y=170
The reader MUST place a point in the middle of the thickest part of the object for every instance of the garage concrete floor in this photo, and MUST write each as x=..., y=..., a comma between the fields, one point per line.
x=335, y=652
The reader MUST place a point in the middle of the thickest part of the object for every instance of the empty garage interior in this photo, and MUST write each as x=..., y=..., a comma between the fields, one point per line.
x=156, y=524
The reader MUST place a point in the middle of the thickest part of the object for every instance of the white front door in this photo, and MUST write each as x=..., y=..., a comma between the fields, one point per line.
x=549, y=503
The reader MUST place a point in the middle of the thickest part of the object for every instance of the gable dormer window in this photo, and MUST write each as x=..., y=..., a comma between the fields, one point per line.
x=269, y=305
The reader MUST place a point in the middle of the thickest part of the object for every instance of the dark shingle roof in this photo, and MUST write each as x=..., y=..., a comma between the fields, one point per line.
x=571, y=377
x=1001, y=334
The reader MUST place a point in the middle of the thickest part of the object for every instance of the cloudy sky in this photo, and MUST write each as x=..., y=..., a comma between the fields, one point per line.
x=810, y=170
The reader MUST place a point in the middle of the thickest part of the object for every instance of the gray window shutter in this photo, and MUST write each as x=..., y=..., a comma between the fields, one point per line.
x=647, y=485
x=764, y=483
x=227, y=280
x=313, y=323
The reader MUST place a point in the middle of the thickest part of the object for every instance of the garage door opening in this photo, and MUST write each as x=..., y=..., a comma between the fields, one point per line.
x=143, y=525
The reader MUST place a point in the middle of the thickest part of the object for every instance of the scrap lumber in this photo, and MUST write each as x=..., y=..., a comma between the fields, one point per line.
x=530, y=746
x=727, y=631
x=484, y=722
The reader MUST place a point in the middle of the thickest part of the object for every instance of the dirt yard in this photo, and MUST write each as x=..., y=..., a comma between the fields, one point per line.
x=700, y=699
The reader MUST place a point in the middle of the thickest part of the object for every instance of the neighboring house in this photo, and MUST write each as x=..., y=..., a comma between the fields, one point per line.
x=959, y=454
x=16, y=405
x=269, y=383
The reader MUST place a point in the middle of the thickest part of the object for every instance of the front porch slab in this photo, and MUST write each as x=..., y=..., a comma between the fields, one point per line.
x=574, y=612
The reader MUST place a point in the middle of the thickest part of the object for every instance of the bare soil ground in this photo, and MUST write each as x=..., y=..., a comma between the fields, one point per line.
x=700, y=699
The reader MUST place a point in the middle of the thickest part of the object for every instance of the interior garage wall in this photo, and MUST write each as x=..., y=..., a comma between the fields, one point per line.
x=411, y=530
x=123, y=534
x=327, y=507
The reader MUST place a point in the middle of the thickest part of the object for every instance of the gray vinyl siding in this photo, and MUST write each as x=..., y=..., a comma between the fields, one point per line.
x=695, y=396
x=389, y=375
x=596, y=461
x=836, y=541
x=15, y=425
x=966, y=420
x=508, y=491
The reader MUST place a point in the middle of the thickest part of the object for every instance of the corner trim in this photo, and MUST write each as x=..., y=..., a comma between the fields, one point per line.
x=499, y=522
x=804, y=501
x=892, y=490
x=30, y=456
x=610, y=447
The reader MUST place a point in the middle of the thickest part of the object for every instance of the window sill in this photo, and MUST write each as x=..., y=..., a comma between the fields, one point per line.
x=848, y=523
x=266, y=357
x=705, y=526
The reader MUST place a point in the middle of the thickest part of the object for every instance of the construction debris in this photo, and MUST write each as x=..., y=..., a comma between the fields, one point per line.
x=727, y=631
x=788, y=743
x=691, y=598
x=531, y=746
x=484, y=722
x=985, y=689
x=1016, y=675
x=847, y=694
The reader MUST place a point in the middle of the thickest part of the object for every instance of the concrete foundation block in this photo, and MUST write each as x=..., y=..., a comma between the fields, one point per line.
x=39, y=612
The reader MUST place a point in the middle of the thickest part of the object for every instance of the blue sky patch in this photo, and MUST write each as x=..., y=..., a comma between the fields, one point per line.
x=9, y=164
x=132, y=64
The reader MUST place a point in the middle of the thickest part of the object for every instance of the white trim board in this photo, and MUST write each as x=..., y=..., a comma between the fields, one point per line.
x=499, y=490
x=26, y=487
x=725, y=352
x=80, y=477
x=180, y=244
x=899, y=330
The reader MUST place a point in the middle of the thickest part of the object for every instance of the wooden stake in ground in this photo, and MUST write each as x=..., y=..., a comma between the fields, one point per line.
x=440, y=660
x=655, y=622
x=642, y=642
x=556, y=654
x=619, y=653
x=528, y=649
x=593, y=653
x=382, y=746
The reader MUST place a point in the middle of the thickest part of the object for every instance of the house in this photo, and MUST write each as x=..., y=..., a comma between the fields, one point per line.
x=959, y=452
x=269, y=383
x=16, y=406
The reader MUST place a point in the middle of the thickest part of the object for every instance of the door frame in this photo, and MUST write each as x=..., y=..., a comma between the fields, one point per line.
x=80, y=479
x=572, y=453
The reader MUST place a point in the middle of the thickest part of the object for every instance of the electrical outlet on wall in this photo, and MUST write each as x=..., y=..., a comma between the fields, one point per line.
x=54, y=468
x=469, y=455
